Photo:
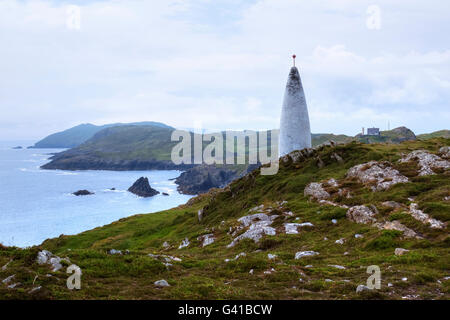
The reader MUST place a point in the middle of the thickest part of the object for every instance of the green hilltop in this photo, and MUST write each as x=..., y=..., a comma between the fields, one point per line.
x=436, y=134
x=77, y=135
x=149, y=243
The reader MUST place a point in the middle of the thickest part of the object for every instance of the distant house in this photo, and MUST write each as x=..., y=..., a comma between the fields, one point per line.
x=373, y=131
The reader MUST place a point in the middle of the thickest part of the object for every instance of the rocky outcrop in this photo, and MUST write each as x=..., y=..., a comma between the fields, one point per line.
x=427, y=161
x=400, y=251
x=82, y=193
x=46, y=257
x=316, y=191
x=418, y=214
x=445, y=152
x=395, y=225
x=142, y=188
x=292, y=228
x=258, y=225
x=303, y=254
x=377, y=175
x=202, y=178
x=361, y=214
x=162, y=283
x=184, y=243
x=206, y=239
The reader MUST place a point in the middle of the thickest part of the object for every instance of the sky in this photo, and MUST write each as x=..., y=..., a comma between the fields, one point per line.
x=222, y=64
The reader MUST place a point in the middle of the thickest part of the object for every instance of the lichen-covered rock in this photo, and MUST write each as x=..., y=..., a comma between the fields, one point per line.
x=332, y=182
x=200, y=215
x=162, y=283
x=46, y=257
x=291, y=228
x=184, y=243
x=391, y=204
x=361, y=214
x=337, y=266
x=315, y=190
x=362, y=288
x=445, y=152
x=206, y=239
x=302, y=254
x=166, y=245
x=395, y=225
x=423, y=217
x=400, y=251
x=8, y=279
x=6, y=265
x=377, y=175
x=334, y=204
x=258, y=225
x=427, y=161
x=260, y=217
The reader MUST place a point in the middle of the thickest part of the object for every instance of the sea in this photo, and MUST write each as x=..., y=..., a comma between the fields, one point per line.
x=38, y=204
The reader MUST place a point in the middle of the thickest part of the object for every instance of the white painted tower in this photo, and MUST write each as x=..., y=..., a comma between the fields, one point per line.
x=295, y=132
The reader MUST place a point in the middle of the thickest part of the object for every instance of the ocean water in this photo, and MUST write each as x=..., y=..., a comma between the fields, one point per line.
x=38, y=204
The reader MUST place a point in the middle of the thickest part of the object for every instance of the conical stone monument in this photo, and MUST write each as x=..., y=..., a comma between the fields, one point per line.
x=295, y=132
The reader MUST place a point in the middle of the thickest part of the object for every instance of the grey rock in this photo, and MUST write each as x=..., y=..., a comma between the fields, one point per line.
x=8, y=279
x=258, y=225
x=400, y=251
x=206, y=239
x=303, y=254
x=395, y=225
x=316, y=191
x=162, y=283
x=424, y=218
x=361, y=214
x=35, y=289
x=292, y=228
x=184, y=243
x=142, y=188
x=378, y=176
x=362, y=288
x=426, y=161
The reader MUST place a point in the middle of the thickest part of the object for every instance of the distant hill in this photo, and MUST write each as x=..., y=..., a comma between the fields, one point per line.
x=436, y=134
x=75, y=136
x=123, y=147
x=320, y=138
x=396, y=135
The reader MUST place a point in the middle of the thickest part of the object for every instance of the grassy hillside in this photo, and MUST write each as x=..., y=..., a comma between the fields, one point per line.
x=75, y=136
x=203, y=273
x=436, y=134
x=396, y=135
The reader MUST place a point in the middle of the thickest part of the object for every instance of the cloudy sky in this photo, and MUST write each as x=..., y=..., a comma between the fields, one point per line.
x=222, y=64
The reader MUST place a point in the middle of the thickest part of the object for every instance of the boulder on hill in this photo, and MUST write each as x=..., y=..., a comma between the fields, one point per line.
x=142, y=188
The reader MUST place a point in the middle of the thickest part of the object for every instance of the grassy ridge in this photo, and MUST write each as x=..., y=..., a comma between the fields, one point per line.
x=202, y=273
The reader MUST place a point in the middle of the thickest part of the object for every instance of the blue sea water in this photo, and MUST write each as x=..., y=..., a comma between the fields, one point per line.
x=38, y=204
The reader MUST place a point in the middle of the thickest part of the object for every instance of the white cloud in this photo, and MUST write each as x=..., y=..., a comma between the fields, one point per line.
x=223, y=63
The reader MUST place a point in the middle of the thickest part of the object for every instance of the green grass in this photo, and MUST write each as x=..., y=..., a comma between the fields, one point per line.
x=203, y=273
